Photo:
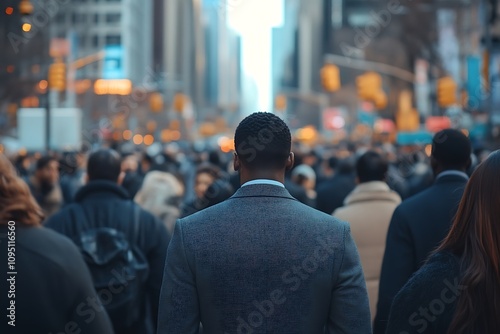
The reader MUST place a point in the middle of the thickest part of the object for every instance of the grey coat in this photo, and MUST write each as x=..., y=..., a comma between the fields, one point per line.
x=262, y=262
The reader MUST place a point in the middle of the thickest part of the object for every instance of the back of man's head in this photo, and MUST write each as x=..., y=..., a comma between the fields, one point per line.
x=104, y=164
x=263, y=141
x=371, y=166
x=43, y=162
x=451, y=149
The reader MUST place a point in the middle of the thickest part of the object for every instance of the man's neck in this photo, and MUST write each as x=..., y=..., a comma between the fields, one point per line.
x=278, y=176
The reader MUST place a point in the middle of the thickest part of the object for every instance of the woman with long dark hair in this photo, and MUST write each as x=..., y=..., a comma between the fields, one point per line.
x=458, y=289
x=45, y=284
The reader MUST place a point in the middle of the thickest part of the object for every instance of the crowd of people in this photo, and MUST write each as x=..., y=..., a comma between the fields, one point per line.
x=275, y=237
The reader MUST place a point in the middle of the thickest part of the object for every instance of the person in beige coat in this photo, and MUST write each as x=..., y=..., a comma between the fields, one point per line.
x=368, y=209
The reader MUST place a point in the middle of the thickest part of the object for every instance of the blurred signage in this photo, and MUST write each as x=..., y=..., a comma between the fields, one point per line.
x=367, y=118
x=479, y=131
x=437, y=123
x=116, y=86
x=333, y=119
x=414, y=138
x=113, y=62
x=66, y=125
x=474, y=91
x=367, y=106
x=59, y=47
x=384, y=126
x=422, y=87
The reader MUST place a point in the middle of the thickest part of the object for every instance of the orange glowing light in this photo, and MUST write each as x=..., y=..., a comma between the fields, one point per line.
x=138, y=139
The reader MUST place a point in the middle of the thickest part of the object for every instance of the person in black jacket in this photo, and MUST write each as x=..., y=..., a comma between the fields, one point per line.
x=332, y=193
x=45, y=284
x=457, y=291
x=421, y=222
x=103, y=203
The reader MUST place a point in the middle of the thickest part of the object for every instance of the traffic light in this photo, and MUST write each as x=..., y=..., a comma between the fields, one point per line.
x=407, y=117
x=57, y=77
x=25, y=7
x=330, y=78
x=280, y=102
x=180, y=101
x=446, y=92
x=370, y=89
x=156, y=102
x=380, y=100
x=369, y=85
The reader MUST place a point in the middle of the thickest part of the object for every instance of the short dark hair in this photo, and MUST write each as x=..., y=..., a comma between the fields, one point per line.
x=263, y=140
x=371, y=166
x=104, y=164
x=209, y=168
x=44, y=162
x=452, y=149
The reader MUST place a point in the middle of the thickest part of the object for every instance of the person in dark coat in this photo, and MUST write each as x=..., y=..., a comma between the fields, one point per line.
x=44, y=185
x=457, y=291
x=421, y=222
x=45, y=284
x=262, y=261
x=103, y=203
x=332, y=193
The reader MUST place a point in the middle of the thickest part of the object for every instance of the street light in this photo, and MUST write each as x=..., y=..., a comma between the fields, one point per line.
x=26, y=27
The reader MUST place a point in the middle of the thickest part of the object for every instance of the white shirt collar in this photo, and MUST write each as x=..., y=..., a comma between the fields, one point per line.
x=453, y=172
x=263, y=181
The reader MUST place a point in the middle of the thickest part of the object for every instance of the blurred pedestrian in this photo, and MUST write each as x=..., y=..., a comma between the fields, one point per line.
x=368, y=209
x=123, y=244
x=421, y=222
x=305, y=177
x=331, y=194
x=161, y=194
x=458, y=290
x=44, y=185
x=72, y=175
x=52, y=290
x=206, y=174
x=262, y=261
x=133, y=178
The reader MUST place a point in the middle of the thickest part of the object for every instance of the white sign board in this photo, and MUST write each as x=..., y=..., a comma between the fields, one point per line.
x=65, y=128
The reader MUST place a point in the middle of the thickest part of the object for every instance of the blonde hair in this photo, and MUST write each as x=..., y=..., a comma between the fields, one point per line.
x=156, y=193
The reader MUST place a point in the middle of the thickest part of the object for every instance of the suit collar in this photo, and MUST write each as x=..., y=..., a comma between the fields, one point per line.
x=450, y=178
x=262, y=190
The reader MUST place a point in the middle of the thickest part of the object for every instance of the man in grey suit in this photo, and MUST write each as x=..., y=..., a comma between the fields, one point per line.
x=262, y=262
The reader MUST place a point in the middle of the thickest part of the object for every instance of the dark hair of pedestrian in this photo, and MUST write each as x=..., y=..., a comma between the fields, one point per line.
x=44, y=162
x=371, y=166
x=263, y=141
x=104, y=164
x=475, y=238
x=210, y=169
x=16, y=202
x=452, y=149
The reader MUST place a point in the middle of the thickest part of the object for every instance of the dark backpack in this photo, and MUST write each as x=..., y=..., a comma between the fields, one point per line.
x=119, y=270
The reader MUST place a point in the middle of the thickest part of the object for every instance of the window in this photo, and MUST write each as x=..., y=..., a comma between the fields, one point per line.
x=78, y=18
x=113, y=40
x=95, y=41
x=61, y=18
x=96, y=18
x=113, y=18
x=82, y=42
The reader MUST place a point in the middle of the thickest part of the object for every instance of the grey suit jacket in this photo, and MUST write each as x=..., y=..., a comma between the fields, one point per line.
x=262, y=262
